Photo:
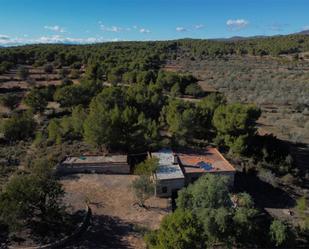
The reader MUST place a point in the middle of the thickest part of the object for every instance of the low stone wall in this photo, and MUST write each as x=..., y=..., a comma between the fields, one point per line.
x=64, y=241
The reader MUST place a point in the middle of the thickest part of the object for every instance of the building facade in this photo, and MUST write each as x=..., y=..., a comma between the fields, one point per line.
x=178, y=169
x=168, y=177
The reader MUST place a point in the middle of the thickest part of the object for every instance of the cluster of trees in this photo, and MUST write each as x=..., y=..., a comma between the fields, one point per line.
x=33, y=200
x=131, y=118
x=228, y=125
x=73, y=95
x=115, y=120
x=36, y=99
x=67, y=95
x=5, y=66
x=254, y=46
x=68, y=127
x=10, y=100
x=115, y=59
x=179, y=84
x=235, y=125
x=18, y=127
x=104, y=60
x=207, y=217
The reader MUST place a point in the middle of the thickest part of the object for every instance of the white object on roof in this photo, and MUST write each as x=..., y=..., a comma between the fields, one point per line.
x=167, y=170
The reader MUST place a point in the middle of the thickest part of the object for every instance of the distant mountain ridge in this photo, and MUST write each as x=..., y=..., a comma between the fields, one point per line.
x=304, y=32
x=240, y=38
x=228, y=39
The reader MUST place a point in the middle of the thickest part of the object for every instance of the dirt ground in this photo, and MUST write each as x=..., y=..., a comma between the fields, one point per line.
x=117, y=222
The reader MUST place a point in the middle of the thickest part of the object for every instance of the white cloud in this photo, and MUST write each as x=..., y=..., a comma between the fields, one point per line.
x=4, y=37
x=237, y=24
x=199, y=26
x=117, y=29
x=69, y=40
x=305, y=28
x=55, y=28
x=111, y=29
x=192, y=28
x=9, y=41
x=143, y=30
x=181, y=29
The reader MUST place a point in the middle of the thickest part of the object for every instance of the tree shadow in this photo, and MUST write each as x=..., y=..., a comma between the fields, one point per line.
x=157, y=209
x=263, y=193
x=60, y=226
x=15, y=89
x=4, y=236
x=106, y=232
x=300, y=152
x=68, y=176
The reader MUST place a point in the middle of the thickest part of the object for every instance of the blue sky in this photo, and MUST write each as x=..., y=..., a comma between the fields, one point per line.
x=86, y=21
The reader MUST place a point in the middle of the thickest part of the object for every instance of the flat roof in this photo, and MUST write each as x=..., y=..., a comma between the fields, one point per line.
x=206, y=160
x=167, y=170
x=165, y=156
x=113, y=159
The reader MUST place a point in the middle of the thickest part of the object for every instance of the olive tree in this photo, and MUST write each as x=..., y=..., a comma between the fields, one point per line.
x=32, y=199
x=36, y=100
x=143, y=189
x=178, y=230
x=18, y=127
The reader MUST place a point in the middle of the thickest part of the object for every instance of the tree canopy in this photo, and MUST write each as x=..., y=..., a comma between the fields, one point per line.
x=18, y=127
x=209, y=199
x=32, y=199
x=178, y=230
x=36, y=100
x=235, y=125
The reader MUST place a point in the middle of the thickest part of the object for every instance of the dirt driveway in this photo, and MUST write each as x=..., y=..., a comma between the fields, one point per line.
x=117, y=223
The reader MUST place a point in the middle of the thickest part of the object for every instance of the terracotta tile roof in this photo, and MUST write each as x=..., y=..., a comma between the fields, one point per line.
x=207, y=160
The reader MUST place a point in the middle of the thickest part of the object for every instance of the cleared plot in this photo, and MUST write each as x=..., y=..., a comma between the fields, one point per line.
x=117, y=222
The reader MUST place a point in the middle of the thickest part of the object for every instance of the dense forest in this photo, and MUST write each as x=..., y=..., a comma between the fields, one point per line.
x=148, y=52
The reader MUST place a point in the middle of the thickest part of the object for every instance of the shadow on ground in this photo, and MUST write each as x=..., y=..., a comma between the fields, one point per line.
x=264, y=194
x=106, y=232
